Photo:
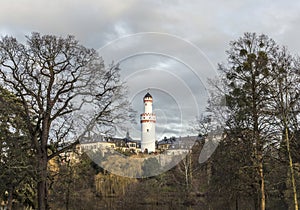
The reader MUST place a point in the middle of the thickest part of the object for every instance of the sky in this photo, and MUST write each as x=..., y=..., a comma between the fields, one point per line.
x=167, y=47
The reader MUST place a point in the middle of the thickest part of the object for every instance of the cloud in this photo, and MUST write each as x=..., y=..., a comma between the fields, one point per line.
x=209, y=25
x=95, y=22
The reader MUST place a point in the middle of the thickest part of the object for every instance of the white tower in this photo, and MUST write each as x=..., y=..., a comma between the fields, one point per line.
x=148, y=120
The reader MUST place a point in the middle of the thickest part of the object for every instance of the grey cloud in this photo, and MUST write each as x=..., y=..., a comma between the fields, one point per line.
x=210, y=25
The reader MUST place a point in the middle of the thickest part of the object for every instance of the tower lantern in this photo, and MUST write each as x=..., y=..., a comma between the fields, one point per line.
x=148, y=120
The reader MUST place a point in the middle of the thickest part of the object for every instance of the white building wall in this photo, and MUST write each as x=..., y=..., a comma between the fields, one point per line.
x=148, y=136
x=148, y=107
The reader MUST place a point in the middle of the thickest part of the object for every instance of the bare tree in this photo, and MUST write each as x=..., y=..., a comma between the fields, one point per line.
x=66, y=92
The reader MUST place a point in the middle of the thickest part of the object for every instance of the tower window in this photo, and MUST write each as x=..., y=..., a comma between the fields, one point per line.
x=147, y=130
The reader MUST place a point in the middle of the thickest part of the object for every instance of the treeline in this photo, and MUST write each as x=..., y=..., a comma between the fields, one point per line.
x=50, y=81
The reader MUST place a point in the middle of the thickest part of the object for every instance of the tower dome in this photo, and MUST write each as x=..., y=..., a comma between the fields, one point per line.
x=147, y=96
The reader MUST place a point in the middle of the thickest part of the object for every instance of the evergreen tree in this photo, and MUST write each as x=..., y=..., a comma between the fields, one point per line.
x=16, y=167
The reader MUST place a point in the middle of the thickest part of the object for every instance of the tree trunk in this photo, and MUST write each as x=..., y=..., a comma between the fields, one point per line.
x=42, y=183
x=262, y=186
x=43, y=161
x=258, y=141
x=287, y=141
x=291, y=169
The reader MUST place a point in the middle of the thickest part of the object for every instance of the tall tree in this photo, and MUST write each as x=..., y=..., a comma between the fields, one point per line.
x=250, y=60
x=65, y=90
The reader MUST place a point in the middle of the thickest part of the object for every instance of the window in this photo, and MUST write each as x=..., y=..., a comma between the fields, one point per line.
x=147, y=130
